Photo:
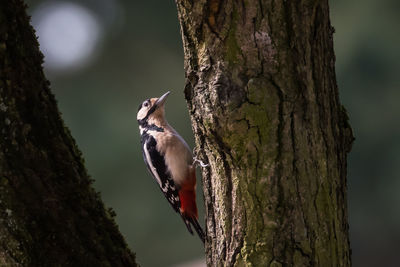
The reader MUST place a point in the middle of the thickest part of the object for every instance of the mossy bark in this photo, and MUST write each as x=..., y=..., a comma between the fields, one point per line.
x=263, y=99
x=49, y=213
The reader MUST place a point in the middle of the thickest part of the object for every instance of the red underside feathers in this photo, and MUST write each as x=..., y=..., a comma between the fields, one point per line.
x=187, y=195
x=188, y=203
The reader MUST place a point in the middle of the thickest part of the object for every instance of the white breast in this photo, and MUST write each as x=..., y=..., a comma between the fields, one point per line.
x=177, y=154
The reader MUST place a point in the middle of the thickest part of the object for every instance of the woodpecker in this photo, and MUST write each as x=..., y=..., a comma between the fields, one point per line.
x=169, y=160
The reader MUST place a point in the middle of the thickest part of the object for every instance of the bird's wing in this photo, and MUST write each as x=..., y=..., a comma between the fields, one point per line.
x=156, y=165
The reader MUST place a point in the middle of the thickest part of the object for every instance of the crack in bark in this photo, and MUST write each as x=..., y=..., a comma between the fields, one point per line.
x=223, y=152
x=260, y=58
x=296, y=180
x=212, y=9
x=236, y=252
x=260, y=5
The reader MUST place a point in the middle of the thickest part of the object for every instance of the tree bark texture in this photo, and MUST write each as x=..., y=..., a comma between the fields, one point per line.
x=262, y=94
x=49, y=213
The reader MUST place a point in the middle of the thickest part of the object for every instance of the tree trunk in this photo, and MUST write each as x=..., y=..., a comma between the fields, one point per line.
x=49, y=213
x=263, y=99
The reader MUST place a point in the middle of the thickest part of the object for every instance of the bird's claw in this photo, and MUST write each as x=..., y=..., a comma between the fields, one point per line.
x=196, y=161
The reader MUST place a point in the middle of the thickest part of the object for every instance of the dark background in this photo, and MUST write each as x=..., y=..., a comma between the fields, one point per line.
x=104, y=57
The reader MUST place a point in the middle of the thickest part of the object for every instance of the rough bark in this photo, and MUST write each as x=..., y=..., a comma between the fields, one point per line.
x=263, y=99
x=49, y=213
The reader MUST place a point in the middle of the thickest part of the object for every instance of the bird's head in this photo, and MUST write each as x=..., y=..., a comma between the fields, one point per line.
x=152, y=110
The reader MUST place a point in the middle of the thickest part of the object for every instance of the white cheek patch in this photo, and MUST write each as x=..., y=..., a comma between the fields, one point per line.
x=142, y=113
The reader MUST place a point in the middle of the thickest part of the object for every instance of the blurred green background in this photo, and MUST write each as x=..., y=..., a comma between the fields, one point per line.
x=104, y=57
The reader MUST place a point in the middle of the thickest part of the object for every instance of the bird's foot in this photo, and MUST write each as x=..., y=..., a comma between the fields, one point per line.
x=196, y=161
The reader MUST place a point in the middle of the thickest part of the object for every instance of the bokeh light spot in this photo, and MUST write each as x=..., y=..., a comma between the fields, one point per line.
x=68, y=34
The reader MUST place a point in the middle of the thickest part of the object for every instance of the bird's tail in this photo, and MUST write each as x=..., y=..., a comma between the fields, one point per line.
x=192, y=221
x=198, y=229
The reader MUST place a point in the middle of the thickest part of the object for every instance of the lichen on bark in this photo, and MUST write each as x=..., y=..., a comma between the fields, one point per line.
x=263, y=99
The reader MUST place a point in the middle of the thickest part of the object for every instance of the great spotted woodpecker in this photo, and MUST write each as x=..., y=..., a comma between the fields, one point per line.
x=169, y=160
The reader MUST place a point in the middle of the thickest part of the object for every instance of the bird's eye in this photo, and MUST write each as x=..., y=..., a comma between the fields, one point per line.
x=146, y=104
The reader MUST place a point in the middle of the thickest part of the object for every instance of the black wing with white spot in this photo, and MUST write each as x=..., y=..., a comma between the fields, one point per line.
x=156, y=165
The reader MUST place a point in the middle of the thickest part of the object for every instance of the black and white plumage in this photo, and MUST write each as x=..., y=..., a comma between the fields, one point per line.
x=156, y=166
x=169, y=160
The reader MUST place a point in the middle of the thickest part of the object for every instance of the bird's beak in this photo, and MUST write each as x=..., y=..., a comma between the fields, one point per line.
x=162, y=99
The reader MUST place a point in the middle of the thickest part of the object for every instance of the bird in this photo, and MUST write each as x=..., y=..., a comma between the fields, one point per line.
x=169, y=160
